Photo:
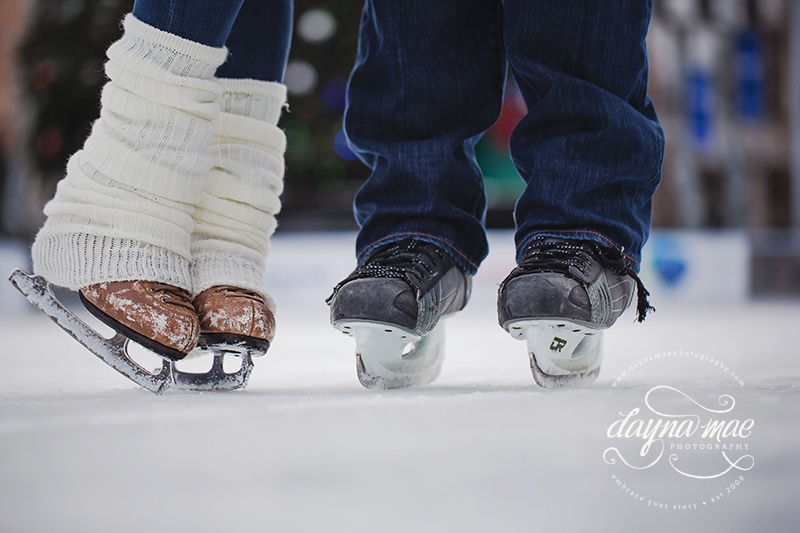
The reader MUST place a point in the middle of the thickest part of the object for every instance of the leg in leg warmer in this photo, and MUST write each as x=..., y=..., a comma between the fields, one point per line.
x=235, y=217
x=119, y=227
x=124, y=209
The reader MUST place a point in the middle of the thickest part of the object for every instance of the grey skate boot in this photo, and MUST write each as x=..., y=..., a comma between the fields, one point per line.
x=559, y=299
x=392, y=304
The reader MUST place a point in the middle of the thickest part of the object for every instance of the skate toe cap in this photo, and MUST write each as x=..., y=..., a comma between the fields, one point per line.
x=377, y=300
x=543, y=295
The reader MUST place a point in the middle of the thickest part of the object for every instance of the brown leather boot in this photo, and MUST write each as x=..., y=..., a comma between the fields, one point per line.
x=160, y=317
x=230, y=316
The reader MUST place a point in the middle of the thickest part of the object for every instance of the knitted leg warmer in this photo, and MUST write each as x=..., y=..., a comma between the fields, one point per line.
x=124, y=209
x=235, y=217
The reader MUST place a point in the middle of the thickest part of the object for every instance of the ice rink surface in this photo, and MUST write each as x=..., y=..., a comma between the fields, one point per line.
x=306, y=448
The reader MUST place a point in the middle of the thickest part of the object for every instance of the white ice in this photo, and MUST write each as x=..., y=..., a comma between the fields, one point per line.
x=306, y=448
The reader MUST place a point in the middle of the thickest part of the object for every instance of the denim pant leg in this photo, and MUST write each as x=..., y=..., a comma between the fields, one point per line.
x=206, y=22
x=590, y=147
x=258, y=44
x=257, y=33
x=427, y=83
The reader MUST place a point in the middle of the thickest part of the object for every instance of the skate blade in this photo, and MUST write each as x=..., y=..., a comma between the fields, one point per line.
x=388, y=357
x=216, y=379
x=112, y=351
x=562, y=354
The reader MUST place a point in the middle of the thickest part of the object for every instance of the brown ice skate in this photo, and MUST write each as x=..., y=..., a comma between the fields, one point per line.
x=160, y=317
x=231, y=317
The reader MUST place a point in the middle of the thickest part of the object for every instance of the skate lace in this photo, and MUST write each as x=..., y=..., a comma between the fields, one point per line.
x=173, y=295
x=246, y=294
x=409, y=259
x=544, y=254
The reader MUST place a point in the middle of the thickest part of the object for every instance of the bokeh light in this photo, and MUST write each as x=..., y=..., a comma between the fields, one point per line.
x=342, y=148
x=316, y=25
x=301, y=77
x=333, y=94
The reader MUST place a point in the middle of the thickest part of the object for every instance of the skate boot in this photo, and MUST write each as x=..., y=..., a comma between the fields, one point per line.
x=158, y=316
x=392, y=304
x=559, y=300
x=233, y=318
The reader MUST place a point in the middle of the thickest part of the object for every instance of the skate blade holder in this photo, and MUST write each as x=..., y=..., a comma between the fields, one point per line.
x=389, y=357
x=216, y=379
x=561, y=353
x=114, y=350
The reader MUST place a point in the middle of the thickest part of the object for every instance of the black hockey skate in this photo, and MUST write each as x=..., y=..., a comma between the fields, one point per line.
x=114, y=351
x=392, y=304
x=559, y=299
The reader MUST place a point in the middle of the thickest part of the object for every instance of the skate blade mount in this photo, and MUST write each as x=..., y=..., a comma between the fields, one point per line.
x=388, y=357
x=562, y=353
x=114, y=351
x=216, y=379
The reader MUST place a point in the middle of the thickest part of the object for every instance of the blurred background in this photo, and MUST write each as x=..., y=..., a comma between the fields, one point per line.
x=725, y=79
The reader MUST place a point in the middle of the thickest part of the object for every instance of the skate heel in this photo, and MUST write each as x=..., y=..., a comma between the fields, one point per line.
x=562, y=353
x=389, y=357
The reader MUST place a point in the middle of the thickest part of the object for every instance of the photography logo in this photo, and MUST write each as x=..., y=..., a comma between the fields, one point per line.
x=681, y=447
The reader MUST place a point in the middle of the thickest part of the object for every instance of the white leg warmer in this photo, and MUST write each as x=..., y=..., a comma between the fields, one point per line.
x=236, y=214
x=124, y=209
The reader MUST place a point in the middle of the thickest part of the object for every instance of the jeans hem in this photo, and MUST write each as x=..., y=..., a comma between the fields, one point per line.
x=461, y=259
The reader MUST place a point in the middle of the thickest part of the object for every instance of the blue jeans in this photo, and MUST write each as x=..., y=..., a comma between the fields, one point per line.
x=428, y=82
x=257, y=33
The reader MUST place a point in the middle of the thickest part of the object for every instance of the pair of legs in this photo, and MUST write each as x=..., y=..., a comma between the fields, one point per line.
x=164, y=217
x=429, y=82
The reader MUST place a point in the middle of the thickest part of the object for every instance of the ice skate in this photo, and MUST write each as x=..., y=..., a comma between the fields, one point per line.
x=234, y=322
x=559, y=300
x=392, y=305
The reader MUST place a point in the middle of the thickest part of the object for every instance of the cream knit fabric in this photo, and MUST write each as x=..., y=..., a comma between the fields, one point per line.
x=124, y=209
x=236, y=214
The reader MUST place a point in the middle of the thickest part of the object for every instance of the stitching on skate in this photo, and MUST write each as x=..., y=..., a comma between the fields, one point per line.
x=613, y=244
x=418, y=234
